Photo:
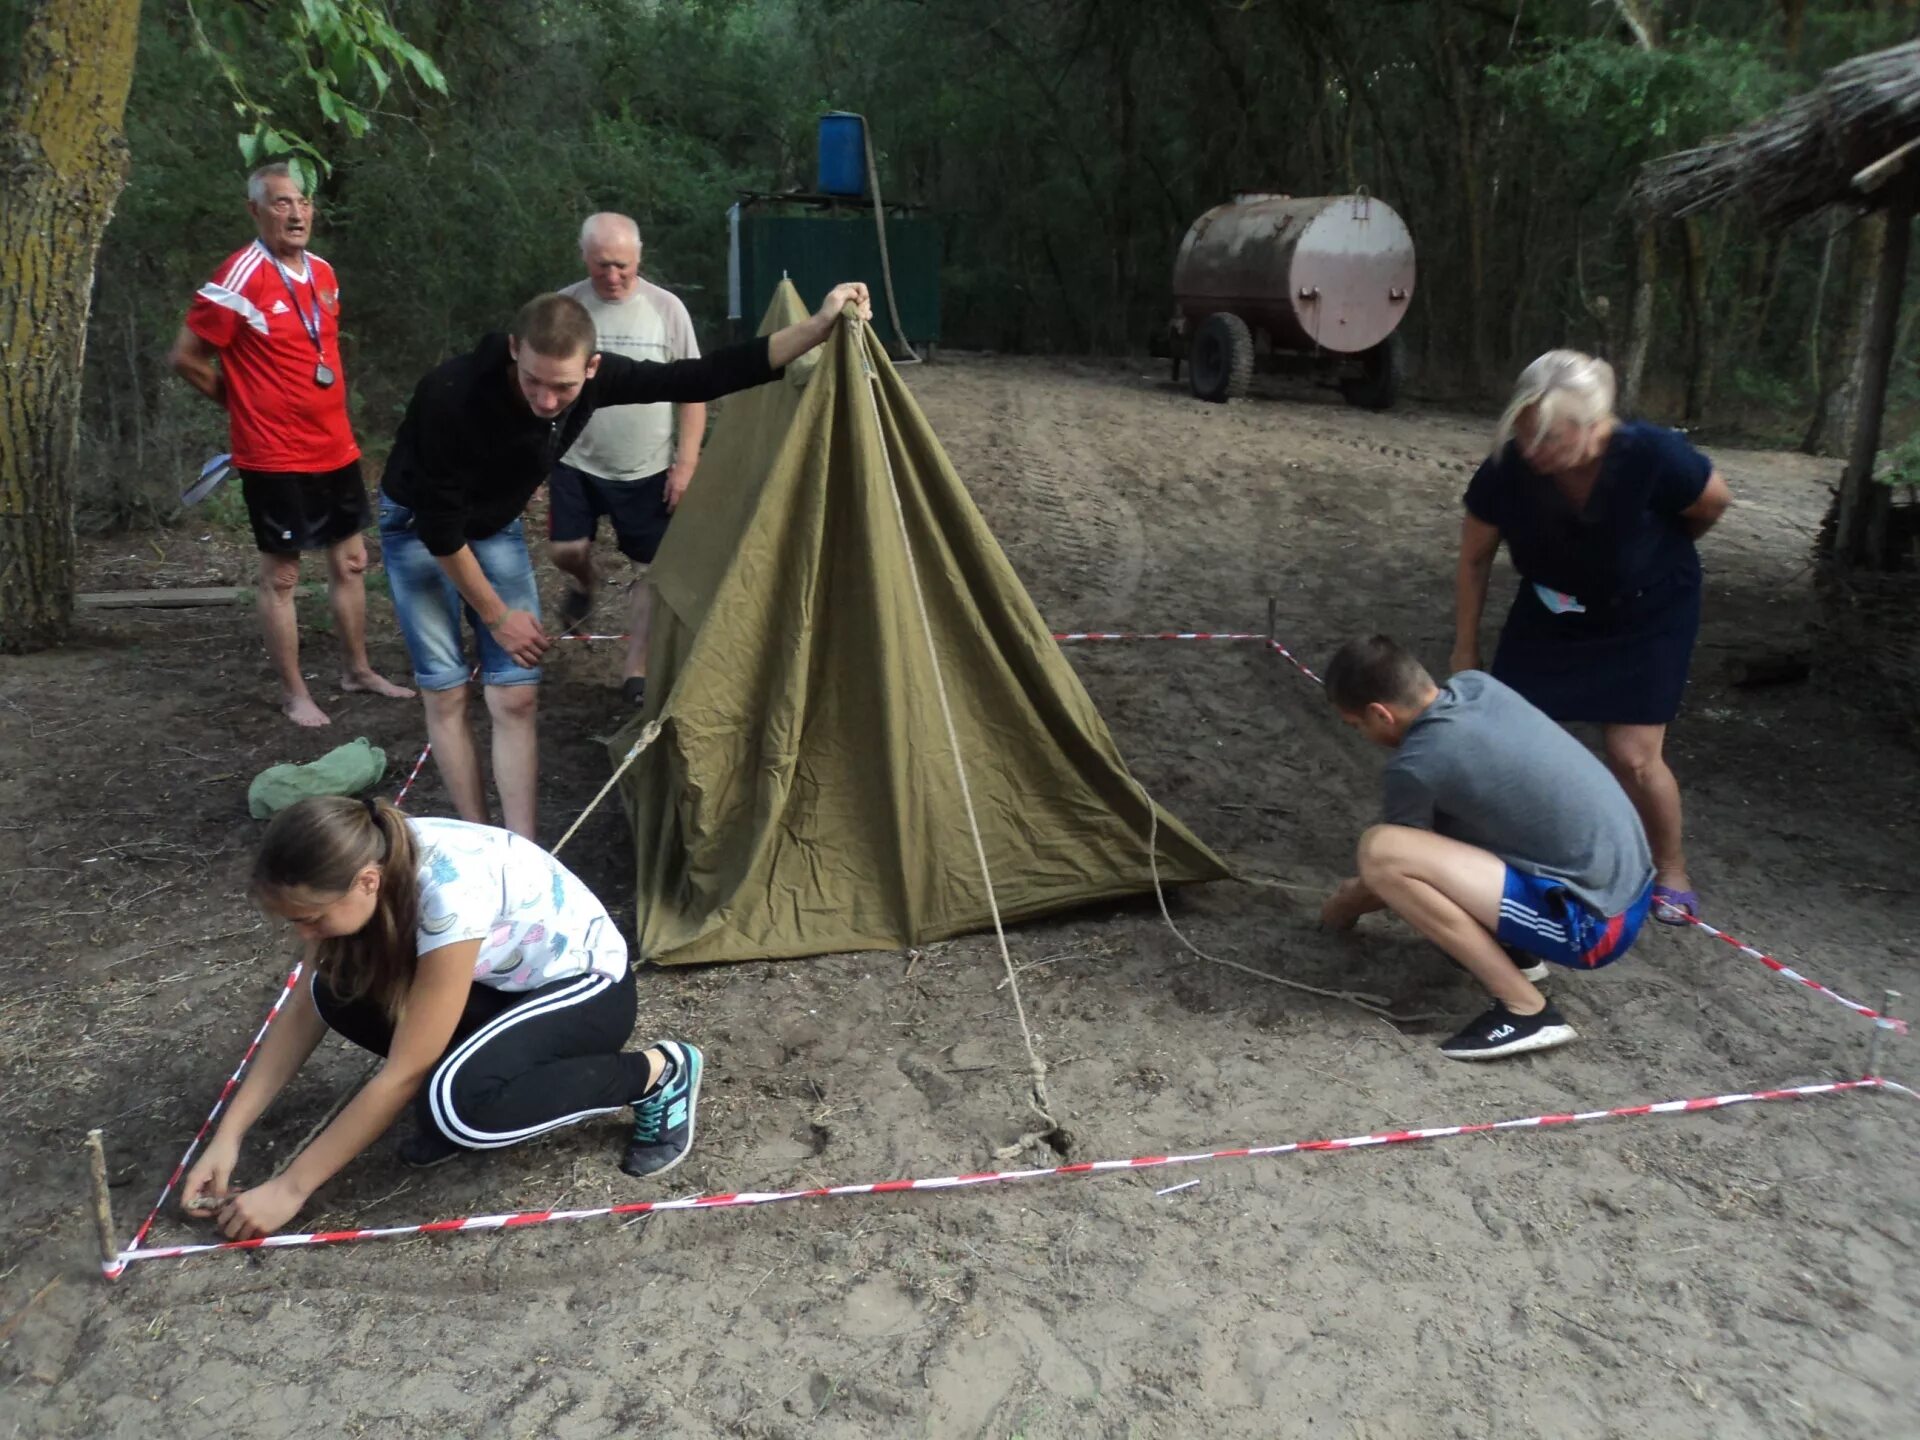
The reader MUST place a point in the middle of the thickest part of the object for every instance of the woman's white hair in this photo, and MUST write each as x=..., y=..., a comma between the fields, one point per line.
x=1560, y=385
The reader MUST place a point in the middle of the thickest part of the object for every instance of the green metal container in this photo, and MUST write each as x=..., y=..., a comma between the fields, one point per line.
x=817, y=252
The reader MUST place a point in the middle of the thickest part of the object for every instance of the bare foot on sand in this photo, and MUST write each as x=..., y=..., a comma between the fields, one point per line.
x=302, y=711
x=372, y=682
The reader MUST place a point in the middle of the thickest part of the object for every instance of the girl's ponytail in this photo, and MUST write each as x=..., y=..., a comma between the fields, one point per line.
x=312, y=853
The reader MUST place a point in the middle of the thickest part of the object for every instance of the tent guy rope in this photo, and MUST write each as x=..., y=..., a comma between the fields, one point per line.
x=1786, y=972
x=1037, y=1099
x=115, y=1261
x=1373, y=1004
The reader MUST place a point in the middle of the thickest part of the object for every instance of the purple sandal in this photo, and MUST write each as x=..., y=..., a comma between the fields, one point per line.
x=1674, y=907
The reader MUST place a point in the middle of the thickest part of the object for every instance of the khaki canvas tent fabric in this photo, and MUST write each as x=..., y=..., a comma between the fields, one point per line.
x=802, y=797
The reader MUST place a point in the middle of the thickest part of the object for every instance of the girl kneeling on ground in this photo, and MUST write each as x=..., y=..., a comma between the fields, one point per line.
x=490, y=978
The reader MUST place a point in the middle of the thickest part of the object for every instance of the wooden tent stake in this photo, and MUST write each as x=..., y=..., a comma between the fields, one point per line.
x=102, y=1203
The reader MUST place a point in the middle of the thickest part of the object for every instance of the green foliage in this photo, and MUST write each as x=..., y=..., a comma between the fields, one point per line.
x=1630, y=104
x=1063, y=145
x=226, y=510
x=339, y=50
x=1899, y=465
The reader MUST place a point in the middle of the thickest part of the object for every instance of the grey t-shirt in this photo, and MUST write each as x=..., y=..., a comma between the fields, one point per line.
x=633, y=442
x=1483, y=766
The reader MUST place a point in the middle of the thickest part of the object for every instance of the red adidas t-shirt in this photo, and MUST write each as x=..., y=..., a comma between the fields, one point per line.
x=277, y=417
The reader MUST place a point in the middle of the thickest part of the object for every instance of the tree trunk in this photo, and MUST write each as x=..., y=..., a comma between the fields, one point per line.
x=1769, y=266
x=1642, y=21
x=1810, y=443
x=1861, y=535
x=63, y=161
x=1646, y=275
x=1472, y=210
x=1125, y=113
x=1598, y=308
x=1699, y=328
x=1840, y=406
x=1793, y=27
x=1526, y=268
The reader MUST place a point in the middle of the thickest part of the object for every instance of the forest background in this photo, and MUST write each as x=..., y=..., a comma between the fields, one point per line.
x=1064, y=146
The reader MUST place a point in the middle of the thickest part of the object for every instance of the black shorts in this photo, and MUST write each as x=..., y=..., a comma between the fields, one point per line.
x=638, y=509
x=295, y=510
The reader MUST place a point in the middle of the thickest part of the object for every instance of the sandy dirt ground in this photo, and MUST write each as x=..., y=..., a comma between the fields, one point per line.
x=1739, y=1274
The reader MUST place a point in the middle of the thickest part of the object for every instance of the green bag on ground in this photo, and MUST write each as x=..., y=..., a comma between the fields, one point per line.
x=346, y=770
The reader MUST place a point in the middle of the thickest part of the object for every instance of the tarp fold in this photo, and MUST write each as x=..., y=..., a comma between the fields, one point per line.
x=803, y=796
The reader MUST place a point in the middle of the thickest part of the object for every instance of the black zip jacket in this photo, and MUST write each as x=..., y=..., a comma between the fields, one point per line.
x=470, y=452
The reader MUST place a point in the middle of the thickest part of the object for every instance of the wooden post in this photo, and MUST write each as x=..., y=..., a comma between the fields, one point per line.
x=1860, y=534
x=110, y=1263
x=1873, y=1040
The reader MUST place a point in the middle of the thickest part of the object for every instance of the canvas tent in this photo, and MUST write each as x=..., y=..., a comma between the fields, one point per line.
x=802, y=796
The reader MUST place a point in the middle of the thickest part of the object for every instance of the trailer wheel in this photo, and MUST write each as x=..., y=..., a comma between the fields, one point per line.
x=1221, y=361
x=1381, y=370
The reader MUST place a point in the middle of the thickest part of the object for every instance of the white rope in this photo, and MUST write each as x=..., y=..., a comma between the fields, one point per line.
x=647, y=737
x=1373, y=1003
x=1038, y=1099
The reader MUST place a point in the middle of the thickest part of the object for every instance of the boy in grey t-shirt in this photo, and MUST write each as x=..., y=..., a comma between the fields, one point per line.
x=1497, y=829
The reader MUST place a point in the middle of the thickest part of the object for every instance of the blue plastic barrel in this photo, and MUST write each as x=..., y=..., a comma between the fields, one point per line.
x=843, y=154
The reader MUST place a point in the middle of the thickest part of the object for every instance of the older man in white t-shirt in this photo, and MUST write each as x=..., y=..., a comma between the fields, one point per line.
x=633, y=462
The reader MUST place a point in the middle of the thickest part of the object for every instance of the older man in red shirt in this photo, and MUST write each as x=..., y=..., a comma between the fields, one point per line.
x=262, y=340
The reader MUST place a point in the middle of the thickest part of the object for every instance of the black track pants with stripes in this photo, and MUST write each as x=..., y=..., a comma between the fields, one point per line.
x=521, y=1063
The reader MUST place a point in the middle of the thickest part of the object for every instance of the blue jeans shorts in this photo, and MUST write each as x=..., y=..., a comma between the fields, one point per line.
x=429, y=606
x=1544, y=919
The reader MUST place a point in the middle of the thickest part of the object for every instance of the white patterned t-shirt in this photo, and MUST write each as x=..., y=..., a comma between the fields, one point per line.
x=536, y=921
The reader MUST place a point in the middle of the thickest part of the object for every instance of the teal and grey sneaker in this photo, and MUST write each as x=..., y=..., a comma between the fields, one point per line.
x=663, y=1118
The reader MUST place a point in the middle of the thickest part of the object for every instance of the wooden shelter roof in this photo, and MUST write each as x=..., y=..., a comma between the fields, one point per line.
x=1823, y=148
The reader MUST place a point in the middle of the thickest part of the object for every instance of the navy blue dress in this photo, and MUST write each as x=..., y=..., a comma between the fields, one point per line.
x=1626, y=561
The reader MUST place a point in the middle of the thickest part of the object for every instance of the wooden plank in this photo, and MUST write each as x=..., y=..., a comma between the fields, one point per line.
x=1886, y=167
x=181, y=599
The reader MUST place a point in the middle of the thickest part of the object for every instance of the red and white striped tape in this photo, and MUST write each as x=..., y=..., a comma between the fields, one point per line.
x=523, y=1219
x=593, y=637
x=226, y=1093
x=1075, y=637
x=401, y=799
x=1880, y=1018
x=1287, y=655
x=1889, y=1022
x=426, y=750
x=526, y=1218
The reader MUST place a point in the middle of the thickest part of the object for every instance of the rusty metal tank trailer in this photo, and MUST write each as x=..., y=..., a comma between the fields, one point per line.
x=1275, y=282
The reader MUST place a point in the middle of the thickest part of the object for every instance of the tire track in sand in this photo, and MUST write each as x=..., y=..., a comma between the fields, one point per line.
x=1074, y=537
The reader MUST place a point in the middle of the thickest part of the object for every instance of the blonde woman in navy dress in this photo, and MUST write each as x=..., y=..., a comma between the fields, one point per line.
x=1600, y=516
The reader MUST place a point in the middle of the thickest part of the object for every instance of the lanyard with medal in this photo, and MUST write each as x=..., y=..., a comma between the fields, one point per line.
x=322, y=372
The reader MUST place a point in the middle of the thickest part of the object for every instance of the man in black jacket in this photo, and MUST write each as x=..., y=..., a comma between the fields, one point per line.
x=480, y=434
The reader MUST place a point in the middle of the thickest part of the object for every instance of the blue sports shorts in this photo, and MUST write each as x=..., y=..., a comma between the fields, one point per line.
x=1543, y=918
